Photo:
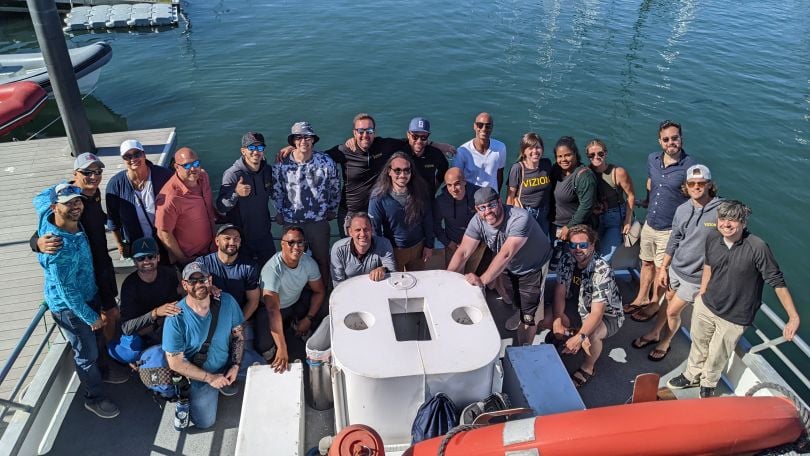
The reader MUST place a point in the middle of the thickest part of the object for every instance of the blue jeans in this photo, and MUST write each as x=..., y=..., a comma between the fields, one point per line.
x=610, y=231
x=250, y=356
x=85, y=352
x=203, y=404
x=541, y=215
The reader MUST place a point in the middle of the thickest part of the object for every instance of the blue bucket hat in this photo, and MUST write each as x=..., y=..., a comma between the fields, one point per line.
x=127, y=349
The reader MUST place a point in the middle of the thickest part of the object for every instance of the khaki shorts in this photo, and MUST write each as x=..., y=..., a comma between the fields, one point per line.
x=653, y=244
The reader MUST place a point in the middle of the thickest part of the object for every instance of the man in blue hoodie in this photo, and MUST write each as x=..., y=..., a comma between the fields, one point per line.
x=682, y=267
x=70, y=288
x=244, y=196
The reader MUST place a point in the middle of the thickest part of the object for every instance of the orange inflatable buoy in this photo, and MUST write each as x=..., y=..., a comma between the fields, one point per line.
x=19, y=104
x=722, y=425
x=357, y=440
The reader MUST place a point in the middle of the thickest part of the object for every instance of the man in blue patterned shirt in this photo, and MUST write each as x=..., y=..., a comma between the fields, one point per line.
x=586, y=280
x=306, y=192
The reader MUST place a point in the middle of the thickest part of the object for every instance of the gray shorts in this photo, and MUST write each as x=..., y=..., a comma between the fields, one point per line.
x=683, y=289
x=611, y=324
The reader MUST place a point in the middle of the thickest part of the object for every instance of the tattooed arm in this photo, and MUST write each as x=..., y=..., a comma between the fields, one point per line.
x=237, y=349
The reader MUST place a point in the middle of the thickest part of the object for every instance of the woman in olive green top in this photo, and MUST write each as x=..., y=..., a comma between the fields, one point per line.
x=575, y=188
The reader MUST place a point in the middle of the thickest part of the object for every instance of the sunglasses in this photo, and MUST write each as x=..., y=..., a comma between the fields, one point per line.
x=399, y=171
x=578, y=245
x=130, y=156
x=143, y=258
x=600, y=154
x=69, y=190
x=490, y=205
x=362, y=131
x=417, y=137
x=295, y=243
x=254, y=148
x=486, y=125
x=189, y=165
x=198, y=280
x=302, y=138
x=698, y=184
x=89, y=172
x=673, y=138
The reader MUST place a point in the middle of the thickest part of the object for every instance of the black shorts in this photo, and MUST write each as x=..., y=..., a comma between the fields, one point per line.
x=527, y=292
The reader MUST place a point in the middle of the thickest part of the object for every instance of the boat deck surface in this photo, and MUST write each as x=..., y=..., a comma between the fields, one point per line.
x=143, y=428
x=26, y=168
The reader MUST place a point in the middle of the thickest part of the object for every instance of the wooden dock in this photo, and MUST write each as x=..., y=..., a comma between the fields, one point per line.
x=26, y=168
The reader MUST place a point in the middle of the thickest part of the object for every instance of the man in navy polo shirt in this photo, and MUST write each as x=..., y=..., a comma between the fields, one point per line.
x=239, y=277
x=666, y=171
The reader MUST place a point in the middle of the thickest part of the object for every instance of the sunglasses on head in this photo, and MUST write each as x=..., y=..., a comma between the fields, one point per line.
x=600, y=154
x=486, y=125
x=189, y=165
x=131, y=155
x=673, y=138
x=90, y=172
x=69, y=190
x=399, y=171
x=578, y=245
x=255, y=148
x=420, y=137
x=490, y=205
x=193, y=281
x=143, y=258
x=362, y=131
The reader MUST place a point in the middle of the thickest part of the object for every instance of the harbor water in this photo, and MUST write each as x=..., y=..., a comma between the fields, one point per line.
x=737, y=76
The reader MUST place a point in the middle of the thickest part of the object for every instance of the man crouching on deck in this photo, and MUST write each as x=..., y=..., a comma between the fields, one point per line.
x=187, y=335
x=586, y=280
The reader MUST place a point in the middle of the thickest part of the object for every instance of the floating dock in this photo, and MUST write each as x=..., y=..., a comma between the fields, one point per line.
x=124, y=15
x=26, y=168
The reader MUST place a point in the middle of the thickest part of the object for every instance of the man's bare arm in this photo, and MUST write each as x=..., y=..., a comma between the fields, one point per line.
x=252, y=302
x=498, y=264
x=463, y=253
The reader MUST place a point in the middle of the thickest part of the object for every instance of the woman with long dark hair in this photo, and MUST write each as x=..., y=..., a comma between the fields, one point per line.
x=575, y=189
x=529, y=183
x=400, y=210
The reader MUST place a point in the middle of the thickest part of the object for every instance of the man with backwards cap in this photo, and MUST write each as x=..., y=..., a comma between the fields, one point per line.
x=430, y=162
x=238, y=276
x=306, y=192
x=70, y=289
x=87, y=170
x=522, y=252
x=149, y=294
x=244, y=196
x=130, y=196
x=185, y=333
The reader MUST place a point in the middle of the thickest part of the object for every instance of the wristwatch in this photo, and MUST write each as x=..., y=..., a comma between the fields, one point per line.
x=583, y=336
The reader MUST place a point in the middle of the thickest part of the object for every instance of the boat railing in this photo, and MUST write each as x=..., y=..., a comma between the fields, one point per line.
x=773, y=345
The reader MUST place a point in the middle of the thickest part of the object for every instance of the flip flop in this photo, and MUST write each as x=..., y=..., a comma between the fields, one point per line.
x=641, y=317
x=632, y=308
x=580, y=377
x=657, y=355
x=641, y=342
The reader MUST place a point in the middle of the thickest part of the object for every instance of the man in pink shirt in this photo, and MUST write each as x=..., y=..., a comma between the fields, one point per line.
x=184, y=213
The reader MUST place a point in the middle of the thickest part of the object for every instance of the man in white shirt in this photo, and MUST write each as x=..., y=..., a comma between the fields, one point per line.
x=482, y=158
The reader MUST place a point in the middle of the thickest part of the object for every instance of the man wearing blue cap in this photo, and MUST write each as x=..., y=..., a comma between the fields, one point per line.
x=430, y=162
x=70, y=289
x=149, y=294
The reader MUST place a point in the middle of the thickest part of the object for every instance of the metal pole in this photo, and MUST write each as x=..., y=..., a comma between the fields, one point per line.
x=51, y=40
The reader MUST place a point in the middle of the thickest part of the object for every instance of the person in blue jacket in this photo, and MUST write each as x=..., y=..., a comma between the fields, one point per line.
x=70, y=288
x=401, y=211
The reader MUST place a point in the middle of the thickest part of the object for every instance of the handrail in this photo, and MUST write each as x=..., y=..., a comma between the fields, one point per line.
x=772, y=344
x=23, y=340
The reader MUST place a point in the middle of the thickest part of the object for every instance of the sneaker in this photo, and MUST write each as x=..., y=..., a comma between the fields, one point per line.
x=229, y=390
x=706, y=391
x=114, y=376
x=104, y=408
x=513, y=322
x=681, y=382
x=493, y=403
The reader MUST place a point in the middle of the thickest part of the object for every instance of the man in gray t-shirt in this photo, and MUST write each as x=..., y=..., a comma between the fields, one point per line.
x=522, y=252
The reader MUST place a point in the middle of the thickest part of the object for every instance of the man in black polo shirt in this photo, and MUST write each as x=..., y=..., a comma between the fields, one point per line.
x=149, y=294
x=430, y=162
x=737, y=266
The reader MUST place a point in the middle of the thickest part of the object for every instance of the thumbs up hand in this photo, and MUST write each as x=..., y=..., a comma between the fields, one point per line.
x=242, y=189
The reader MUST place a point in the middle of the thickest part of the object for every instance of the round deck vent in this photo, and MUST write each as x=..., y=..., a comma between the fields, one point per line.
x=402, y=280
x=466, y=315
x=359, y=321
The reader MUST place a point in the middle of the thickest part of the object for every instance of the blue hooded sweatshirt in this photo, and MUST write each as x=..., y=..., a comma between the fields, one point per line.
x=69, y=280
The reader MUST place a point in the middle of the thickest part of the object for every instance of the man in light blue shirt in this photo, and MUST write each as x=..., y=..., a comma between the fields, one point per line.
x=283, y=282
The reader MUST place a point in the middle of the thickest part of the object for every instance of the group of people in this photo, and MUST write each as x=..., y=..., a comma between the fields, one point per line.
x=209, y=280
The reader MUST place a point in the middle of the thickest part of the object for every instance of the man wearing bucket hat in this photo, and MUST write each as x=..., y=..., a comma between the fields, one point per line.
x=149, y=294
x=682, y=269
x=522, y=252
x=306, y=192
x=70, y=288
x=244, y=198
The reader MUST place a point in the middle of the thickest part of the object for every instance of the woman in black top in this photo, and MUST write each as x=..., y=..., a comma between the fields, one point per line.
x=529, y=180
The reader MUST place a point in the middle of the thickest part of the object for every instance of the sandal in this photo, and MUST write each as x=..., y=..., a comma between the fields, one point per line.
x=641, y=342
x=641, y=317
x=580, y=377
x=658, y=355
x=633, y=308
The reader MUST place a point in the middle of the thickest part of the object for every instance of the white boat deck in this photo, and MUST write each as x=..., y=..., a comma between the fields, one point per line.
x=26, y=168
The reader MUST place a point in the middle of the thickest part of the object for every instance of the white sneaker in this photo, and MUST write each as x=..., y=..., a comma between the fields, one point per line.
x=513, y=322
